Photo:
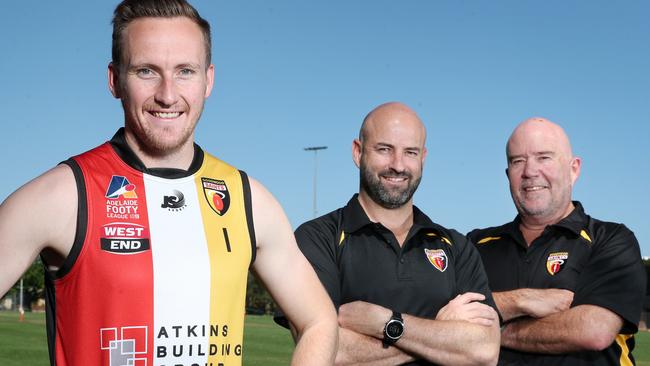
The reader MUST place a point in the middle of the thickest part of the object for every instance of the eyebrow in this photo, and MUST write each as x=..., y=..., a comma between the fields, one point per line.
x=385, y=144
x=188, y=66
x=537, y=153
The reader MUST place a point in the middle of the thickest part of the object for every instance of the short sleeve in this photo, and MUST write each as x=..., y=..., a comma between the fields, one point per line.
x=614, y=277
x=319, y=246
x=470, y=274
x=317, y=242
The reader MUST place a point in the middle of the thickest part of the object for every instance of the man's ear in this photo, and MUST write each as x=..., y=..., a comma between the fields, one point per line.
x=576, y=163
x=356, y=152
x=114, y=80
x=209, y=75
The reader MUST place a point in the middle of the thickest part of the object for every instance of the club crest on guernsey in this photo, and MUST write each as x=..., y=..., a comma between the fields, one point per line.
x=216, y=193
x=555, y=262
x=437, y=257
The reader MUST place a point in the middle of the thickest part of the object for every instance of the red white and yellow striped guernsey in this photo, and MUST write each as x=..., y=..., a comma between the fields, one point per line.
x=157, y=274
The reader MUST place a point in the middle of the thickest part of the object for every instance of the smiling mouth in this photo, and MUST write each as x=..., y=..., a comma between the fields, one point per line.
x=534, y=188
x=166, y=115
x=394, y=179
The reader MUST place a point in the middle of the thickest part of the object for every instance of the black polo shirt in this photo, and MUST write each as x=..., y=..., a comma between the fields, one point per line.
x=357, y=259
x=599, y=261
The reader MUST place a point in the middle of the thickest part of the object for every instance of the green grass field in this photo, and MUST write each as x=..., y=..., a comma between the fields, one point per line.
x=24, y=344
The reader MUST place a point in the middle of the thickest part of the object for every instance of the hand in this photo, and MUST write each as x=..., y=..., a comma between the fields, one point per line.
x=539, y=303
x=466, y=307
x=364, y=317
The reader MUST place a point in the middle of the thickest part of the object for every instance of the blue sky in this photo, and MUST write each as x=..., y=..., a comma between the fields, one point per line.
x=291, y=74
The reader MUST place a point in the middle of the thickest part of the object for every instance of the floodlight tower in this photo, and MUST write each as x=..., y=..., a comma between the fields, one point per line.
x=315, y=150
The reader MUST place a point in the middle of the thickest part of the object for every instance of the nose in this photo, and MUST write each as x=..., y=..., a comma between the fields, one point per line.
x=397, y=162
x=530, y=168
x=166, y=94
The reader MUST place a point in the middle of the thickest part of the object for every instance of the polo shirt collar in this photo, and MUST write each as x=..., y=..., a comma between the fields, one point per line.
x=575, y=222
x=356, y=218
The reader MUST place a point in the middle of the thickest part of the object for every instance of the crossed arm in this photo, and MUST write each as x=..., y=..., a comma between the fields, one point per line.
x=543, y=322
x=444, y=340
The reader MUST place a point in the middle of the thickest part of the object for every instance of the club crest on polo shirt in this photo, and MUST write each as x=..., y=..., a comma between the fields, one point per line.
x=437, y=258
x=216, y=193
x=555, y=262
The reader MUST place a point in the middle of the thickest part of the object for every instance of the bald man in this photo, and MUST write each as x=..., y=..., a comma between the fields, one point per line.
x=407, y=290
x=569, y=288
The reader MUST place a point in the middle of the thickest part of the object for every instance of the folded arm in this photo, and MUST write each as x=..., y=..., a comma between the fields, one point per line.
x=535, y=303
x=444, y=340
x=581, y=328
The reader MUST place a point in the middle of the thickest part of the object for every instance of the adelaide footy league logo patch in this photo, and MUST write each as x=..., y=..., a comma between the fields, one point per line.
x=216, y=193
x=437, y=257
x=120, y=187
x=555, y=262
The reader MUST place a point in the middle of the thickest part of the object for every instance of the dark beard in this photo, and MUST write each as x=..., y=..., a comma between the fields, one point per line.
x=371, y=184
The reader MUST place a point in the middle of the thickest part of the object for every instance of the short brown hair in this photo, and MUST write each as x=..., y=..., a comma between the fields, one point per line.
x=130, y=10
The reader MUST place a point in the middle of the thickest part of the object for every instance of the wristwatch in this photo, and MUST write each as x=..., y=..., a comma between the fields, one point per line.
x=393, y=329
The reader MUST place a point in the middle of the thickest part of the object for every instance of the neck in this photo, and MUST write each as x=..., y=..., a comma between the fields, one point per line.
x=398, y=220
x=179, y=158
x=533, y=226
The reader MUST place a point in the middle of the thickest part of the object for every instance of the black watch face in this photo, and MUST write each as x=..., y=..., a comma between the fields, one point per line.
x=394, y=329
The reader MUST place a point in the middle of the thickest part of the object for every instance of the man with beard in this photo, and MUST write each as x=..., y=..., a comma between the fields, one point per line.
x=569, y=287
x=407, y=290
x=148, y=240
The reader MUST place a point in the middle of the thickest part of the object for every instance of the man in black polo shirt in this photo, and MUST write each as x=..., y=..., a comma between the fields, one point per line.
x=569, y=287
x=407, y=290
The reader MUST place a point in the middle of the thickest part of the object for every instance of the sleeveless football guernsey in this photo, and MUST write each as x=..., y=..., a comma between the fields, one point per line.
x=157, y=274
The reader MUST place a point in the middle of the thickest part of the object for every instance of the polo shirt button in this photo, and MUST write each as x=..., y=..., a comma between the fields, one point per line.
x=402, y=260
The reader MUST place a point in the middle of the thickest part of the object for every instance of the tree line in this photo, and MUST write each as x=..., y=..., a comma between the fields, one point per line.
x=258, y=300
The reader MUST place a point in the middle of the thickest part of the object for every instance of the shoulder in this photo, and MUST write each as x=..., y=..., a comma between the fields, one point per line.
x=324, y=229
x=454, y=239
x=57, y=185
x=483, y=235
x=213, y=160
x=51, y=200
x=607, y=234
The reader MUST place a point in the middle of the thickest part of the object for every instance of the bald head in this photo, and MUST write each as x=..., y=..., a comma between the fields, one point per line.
x=538, y=128
x=390, y=154
x=542, y=171
x=392, y=113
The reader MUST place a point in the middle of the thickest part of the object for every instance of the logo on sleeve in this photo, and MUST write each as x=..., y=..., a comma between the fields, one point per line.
x=437, y=257
x=555, y=262
x=216, y=193
x=124, y=238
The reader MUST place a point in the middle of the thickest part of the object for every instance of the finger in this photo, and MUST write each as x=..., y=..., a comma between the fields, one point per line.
x=469, y=297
